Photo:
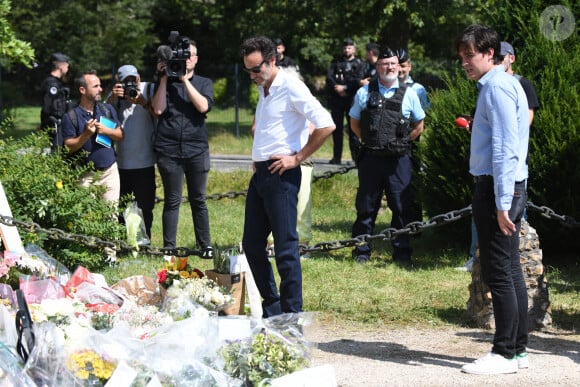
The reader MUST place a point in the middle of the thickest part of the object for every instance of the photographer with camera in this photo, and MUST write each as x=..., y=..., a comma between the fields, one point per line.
x=135, y=157
x=55, y=99
x=182, y=100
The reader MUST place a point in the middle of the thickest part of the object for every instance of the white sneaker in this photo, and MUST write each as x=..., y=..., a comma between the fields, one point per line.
x=468, y=266
x=523, y=360
x=491, y=364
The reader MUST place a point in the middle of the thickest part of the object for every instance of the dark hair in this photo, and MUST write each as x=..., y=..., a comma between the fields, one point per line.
x=481, y=38
x=262, y=44
x=80, y=80
x=374, y=47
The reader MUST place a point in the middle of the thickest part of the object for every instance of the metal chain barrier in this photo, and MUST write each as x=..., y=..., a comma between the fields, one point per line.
x=412, y=228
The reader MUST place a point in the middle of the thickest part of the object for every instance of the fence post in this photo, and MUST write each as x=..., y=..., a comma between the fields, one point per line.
x=237, y=100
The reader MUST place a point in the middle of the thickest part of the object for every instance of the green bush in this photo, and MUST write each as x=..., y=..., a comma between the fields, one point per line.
x=444, y=183
x=43, y=188
x=220, y=92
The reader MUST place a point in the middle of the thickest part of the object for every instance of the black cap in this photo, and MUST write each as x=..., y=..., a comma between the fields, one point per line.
x=59, y=57
x=403, y=55
x=348, y=42
x=386, y=52
x=278, y=42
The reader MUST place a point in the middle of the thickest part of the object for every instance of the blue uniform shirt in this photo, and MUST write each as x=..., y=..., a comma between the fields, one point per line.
x=411, y=106
x=500, y=134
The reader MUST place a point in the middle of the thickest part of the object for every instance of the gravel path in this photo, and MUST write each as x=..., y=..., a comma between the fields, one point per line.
x=433, y=357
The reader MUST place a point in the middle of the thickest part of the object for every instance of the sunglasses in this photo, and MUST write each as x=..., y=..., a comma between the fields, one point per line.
x=257, y=69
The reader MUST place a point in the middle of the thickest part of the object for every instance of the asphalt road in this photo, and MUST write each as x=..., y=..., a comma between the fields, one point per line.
x=229, y=163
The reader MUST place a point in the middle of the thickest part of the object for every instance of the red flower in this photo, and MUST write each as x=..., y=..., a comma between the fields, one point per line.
x=199, y=273
x=162, y=276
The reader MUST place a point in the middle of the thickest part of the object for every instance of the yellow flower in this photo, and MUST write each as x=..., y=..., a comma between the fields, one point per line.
x=59, y=184
x=69, y=225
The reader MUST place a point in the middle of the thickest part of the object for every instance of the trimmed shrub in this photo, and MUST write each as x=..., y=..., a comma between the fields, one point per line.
x=43, y=188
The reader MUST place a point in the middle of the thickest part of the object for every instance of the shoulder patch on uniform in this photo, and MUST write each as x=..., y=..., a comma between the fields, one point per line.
x=53, y=90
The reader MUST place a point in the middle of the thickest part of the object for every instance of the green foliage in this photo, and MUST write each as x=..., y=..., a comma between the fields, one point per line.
x=444, y=149
x=220, y=95
x=264, y=356
x=44, y=189
x=12, y=50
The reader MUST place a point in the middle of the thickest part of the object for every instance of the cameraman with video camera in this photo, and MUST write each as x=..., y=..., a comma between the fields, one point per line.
x=182, y=100
x=135, y=157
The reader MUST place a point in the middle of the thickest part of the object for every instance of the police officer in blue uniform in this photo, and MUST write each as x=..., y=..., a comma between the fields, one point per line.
x=387, y=117
x=55, y=99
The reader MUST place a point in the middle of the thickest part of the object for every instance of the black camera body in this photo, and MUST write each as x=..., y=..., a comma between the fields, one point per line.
x=130, y=89
x=180, y=52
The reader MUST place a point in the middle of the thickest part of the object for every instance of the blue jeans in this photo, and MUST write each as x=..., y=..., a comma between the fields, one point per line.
x=172, y=171
x=501, y=270
x=271, y=207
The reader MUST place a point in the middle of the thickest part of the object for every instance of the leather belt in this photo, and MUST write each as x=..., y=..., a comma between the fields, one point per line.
x=483, y=179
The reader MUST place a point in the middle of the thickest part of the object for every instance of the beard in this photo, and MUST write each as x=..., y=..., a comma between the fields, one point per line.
x=389, y=77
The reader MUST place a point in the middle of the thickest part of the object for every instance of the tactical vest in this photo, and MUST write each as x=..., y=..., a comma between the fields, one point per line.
x=384, y=129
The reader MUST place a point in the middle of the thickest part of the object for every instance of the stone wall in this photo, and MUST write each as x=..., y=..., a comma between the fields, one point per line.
x=479, y=305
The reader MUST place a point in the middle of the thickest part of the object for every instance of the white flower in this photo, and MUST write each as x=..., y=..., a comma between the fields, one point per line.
x=62, y=307
x=217, y=298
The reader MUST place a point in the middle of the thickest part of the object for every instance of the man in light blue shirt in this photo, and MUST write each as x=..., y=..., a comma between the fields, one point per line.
x=376, y=115
x=499, y=146
x=405, y=77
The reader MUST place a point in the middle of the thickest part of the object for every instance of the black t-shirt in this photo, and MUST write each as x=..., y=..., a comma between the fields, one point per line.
x=181, y=131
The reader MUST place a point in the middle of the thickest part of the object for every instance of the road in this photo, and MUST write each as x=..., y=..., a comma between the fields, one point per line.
x=229, y=163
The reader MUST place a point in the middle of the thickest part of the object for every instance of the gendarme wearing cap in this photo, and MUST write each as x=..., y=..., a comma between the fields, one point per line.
x=59, y=57
x=127, y=71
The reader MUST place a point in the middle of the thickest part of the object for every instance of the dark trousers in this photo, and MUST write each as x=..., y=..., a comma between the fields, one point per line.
x=339, y=108
x=501, y=269
x=391, y=175
x=172, y=171
x=271, y=207
x=141, y=183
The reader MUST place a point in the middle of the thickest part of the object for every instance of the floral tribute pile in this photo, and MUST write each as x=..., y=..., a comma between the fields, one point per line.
x=142, y=331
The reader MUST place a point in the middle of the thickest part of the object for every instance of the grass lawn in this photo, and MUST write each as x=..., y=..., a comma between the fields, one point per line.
x=340, y=290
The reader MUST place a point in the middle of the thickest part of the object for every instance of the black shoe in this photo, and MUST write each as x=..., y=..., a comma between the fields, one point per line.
x=362, y=259
x=334, y=162
x=405, y=263
x=207, y=252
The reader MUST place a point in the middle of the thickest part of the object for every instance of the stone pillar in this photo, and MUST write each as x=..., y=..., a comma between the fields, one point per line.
x=479, y=305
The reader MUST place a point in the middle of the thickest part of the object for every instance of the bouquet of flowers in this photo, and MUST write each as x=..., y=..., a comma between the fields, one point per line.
x=140, y=319
x=276, y=348
x=91, y=368
x=15, y=264
x=188, y=294
x=176, y=269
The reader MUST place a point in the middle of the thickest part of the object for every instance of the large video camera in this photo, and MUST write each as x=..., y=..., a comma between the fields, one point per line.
x=175, y=55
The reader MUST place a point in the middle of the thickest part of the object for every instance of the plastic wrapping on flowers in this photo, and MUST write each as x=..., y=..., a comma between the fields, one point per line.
x=276, y=348
x=185, y=296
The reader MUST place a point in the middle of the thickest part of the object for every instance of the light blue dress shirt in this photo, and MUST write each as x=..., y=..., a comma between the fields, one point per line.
x=500, y=134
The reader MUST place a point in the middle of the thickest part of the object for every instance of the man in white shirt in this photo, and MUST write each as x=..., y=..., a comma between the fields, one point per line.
x=281, y=143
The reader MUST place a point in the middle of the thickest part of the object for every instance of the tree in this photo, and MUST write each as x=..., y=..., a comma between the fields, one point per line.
x=96, y=34
x=12, y=50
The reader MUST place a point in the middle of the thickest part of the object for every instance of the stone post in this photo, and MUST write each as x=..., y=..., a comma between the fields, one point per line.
x=479, y=305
